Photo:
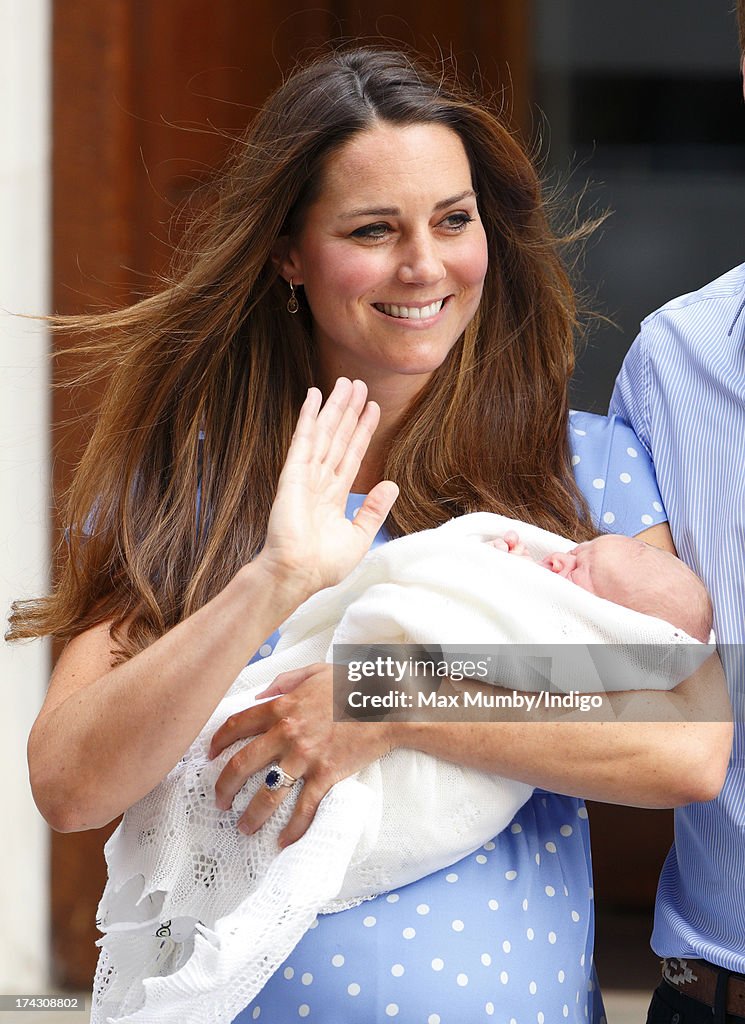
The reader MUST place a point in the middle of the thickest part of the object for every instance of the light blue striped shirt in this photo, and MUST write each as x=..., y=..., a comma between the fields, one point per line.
x=682, y=389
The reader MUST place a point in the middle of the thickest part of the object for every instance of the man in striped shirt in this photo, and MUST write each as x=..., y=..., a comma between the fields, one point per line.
x=682, y=389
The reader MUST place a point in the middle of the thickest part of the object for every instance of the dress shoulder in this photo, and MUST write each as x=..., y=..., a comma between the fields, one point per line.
x=615, y=474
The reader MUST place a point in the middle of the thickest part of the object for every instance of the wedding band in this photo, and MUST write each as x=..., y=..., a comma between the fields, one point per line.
x=277, y=777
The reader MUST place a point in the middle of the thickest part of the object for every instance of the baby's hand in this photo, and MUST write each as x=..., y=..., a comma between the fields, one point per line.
x=510, y=543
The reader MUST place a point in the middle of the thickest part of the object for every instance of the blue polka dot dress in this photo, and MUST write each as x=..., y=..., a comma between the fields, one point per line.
x=506, y=934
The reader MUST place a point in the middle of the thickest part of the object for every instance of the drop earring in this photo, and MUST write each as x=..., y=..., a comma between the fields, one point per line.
x=292, y=303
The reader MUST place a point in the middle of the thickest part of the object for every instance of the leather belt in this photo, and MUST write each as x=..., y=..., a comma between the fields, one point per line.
x=698, y=979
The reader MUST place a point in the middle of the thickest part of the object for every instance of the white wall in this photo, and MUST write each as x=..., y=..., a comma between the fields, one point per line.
x=24, y=474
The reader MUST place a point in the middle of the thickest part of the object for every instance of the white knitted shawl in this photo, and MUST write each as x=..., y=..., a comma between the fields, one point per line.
x=196, y=916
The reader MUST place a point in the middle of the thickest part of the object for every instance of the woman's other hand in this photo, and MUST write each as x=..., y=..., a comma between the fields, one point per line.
x=309, y=540
x=297, y=732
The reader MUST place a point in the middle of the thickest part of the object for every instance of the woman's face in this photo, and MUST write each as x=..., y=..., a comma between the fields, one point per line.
x=392, y=255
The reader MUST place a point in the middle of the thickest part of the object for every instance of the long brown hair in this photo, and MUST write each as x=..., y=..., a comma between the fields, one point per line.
x=173, y=492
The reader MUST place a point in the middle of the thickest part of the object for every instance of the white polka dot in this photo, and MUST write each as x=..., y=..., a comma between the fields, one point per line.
x=515, y=829
x=504, y=977
x=493, y=905
x=480, y=859
x=353, y=989
x=566, y=891
x=355, y=511
x=625, y=478
x=486, y=960
x=307, y=978
x=598, y=483
x=549, y=890
x=422, y=909
x=489, y=1008
x=434, y=1018
x=656, y=506
x=552, y=937
x=575, y=917
x=490, y=845
x=457, y=926
x=315, y=923
x=591, y=892
x=462, y=980
x=408, y=933
x=538, y=858
x=369, y=921
x=256, y=1013
x=565, y=1010
x=578, y=431
x=551, y=847
x=540, y=1018
x=525, y=904
x=530, y=933
x=510, y=875
x=582, y=958
x=582, y=812
x=609, y=518
x=566, y=830
x=437, y=964
x=532, y=988
x=632, y=452
x=303, y=1010
x=392, y=897
x=561, y=975
x=647, y=519
x=265, y=650
x=289, y=972
x=397, y=970
x=506, y=945
x=337, y=960
x=576, y=460
x=391, y=1010
x=452, y=877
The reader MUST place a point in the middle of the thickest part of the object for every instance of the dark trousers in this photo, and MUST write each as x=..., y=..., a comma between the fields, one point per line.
x=669, y=1006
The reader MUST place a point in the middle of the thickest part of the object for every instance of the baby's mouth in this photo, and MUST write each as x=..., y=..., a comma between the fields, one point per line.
x=410, y=312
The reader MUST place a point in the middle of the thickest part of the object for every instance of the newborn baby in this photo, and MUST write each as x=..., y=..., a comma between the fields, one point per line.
x=630, y=573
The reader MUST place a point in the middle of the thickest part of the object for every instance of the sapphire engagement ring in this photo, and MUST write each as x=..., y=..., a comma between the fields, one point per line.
x=277, y=777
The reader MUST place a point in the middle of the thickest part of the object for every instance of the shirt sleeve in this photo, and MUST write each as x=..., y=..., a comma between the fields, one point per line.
x=630, y=398
x=615, y=474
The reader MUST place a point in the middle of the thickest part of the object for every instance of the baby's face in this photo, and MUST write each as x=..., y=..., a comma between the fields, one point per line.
x=601, y=566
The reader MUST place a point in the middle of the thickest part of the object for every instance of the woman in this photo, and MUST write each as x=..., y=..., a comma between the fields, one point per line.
x=375, y=223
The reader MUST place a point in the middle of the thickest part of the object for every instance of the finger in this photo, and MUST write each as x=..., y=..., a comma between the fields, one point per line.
x=251, y=758
x=242, y=725
x=339, y=442
x=264, y=804
x=511, y=539
x=286, y=682
x=358, y=444
x=375, y=508
x=305, y=811
x=302, y=439
x=499, y=543
x=331, y=414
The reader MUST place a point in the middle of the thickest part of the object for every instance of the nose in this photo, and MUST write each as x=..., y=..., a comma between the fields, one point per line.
x=421, y=261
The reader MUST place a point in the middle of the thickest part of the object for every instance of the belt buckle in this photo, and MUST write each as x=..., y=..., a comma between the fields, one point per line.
x=678, y=972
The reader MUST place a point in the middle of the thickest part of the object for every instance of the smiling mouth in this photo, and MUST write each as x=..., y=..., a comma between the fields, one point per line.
x=410, y=312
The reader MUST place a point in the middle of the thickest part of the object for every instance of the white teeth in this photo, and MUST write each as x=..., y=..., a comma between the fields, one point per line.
x=411, y=312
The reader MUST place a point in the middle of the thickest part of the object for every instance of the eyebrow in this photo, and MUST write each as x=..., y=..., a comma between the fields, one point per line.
x=394, y=211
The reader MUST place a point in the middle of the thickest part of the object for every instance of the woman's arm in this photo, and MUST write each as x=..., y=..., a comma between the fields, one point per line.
x=106, y=736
